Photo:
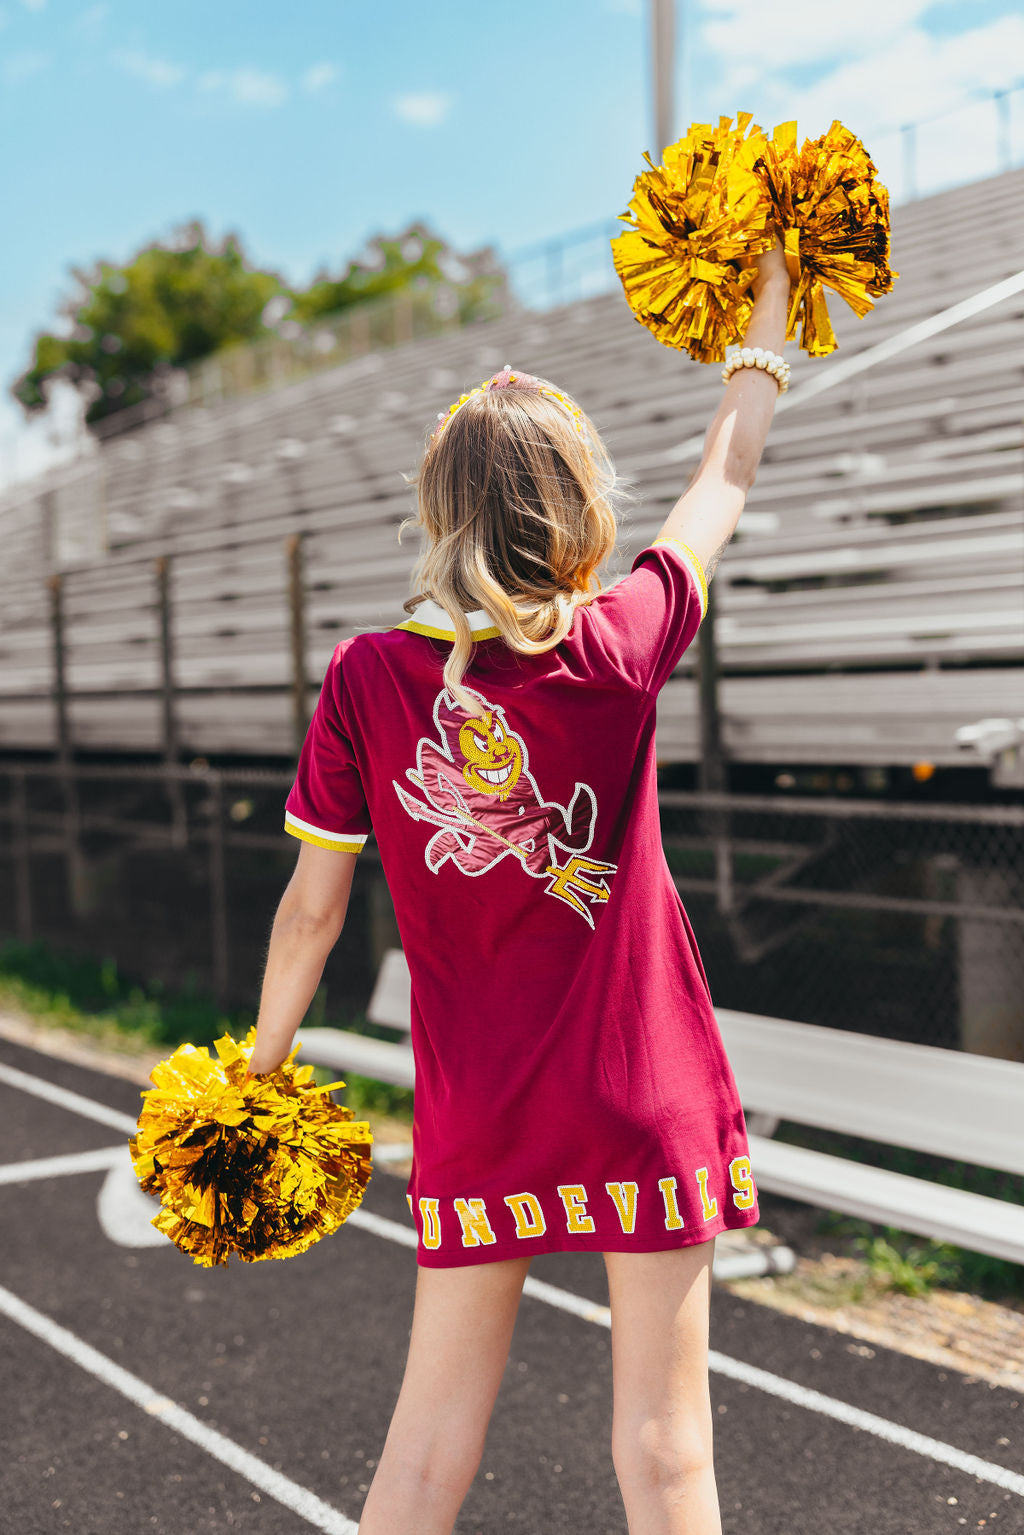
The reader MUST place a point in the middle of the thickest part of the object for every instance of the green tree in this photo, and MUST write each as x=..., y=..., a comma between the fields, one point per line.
x=171, y=304
x=416, y=258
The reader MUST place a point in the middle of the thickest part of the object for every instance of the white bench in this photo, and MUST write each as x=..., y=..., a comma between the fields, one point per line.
x=390, y=1005
x=947, y=1102
x=381, y=1059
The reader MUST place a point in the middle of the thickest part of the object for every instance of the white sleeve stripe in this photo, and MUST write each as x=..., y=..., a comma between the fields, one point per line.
x=329, y=836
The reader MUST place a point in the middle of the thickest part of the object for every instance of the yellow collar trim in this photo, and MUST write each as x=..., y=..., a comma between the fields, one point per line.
x=432, y=619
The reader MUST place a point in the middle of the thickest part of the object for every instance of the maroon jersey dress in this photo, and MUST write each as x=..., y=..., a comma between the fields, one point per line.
x=572, y=1088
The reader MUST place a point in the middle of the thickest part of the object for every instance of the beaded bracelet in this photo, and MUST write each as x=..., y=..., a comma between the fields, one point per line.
x=758, y=357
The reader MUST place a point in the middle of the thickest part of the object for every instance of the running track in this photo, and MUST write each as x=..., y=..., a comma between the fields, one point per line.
x=141, y=1393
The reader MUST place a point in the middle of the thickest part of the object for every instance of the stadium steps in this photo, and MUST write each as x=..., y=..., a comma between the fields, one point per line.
x=879, y=639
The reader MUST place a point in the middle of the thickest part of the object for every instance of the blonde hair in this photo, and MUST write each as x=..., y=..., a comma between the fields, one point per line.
x=516, y=506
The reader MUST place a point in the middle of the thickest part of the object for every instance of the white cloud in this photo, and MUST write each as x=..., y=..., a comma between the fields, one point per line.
x=319, y=76
x=144, y=66
x=917, y=74
x=243, y=86
x=791, y=32
x=246, y=87
x=873, y=81
x=22, y=66
x=424, y=108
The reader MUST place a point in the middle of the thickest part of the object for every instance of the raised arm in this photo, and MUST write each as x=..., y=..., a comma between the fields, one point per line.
x=706, y=514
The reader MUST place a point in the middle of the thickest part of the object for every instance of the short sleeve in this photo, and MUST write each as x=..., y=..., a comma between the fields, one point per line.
x=645, y=622
x=326, y=804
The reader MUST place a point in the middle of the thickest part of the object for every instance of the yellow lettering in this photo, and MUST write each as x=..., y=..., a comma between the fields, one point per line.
x=710, y=1205
x=476, y=1228
x=624, y=1197
x=673, y=1219
x=574, y=1198
x=431, y=1218
x=529, y=1216
x=742, y=1182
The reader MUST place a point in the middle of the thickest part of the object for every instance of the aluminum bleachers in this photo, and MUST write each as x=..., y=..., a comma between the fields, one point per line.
x=873, y=595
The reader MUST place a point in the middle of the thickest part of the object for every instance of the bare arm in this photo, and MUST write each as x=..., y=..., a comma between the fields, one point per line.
x=309, y=920
x=706, y=514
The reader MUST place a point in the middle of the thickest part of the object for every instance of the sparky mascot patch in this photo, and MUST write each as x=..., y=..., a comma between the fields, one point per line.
x=479, y=792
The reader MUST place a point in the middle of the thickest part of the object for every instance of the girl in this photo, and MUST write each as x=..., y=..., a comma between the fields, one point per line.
x=572, y=1090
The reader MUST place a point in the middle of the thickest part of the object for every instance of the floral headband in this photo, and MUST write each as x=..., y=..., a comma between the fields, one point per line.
x=501, y=381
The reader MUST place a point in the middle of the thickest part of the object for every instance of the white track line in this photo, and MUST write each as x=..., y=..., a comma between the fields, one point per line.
x=57, y=1167
x=750, y=1375
x=856, y=1417
x=298, y=1499
x=391, y=1231
x=64, y=1099
x=551, y=1295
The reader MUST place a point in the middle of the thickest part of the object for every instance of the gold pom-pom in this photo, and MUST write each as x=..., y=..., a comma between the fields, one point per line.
x=834, y=216
x=694, y=217
x=262, y=1166
x=702, y=218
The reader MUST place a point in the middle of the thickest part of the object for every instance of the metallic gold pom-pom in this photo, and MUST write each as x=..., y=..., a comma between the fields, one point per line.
x=834, y=215
x=261, y=1166
x=694, y=217
x=702, y=218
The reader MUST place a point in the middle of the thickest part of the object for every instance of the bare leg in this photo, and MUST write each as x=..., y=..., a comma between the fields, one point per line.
x=661, y=1425
x=462, y=1326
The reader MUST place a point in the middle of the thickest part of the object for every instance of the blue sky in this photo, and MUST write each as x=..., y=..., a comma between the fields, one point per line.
x=308, y=129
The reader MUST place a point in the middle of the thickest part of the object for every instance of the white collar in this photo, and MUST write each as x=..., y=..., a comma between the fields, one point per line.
x=432, y=619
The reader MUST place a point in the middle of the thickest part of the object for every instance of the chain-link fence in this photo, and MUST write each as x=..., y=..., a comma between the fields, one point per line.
x=904, y=921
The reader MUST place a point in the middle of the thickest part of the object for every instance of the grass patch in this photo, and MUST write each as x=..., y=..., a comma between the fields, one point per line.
x=904, y=1261
x=904, y=1266
x=364, y=1093
x=61, y=988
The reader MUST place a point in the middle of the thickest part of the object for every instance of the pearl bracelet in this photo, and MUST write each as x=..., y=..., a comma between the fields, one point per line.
x=758, y=357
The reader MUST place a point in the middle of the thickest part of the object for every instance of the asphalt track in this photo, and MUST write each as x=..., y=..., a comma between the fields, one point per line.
x=143, y=1394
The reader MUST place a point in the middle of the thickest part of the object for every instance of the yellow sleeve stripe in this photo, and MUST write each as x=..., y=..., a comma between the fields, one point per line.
x=695, y=565
x=349, y=842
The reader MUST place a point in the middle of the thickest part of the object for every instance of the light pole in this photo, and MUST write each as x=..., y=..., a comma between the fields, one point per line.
x=663, y=54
